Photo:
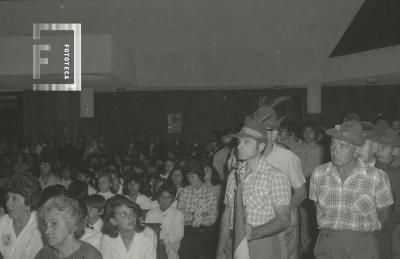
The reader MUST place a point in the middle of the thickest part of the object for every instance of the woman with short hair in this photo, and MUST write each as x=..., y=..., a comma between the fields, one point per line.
x=125, y=236
x=63, y=222
x=19, y=232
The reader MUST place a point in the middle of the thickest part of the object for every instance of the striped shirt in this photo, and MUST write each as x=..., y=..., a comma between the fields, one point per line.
x=351, y=205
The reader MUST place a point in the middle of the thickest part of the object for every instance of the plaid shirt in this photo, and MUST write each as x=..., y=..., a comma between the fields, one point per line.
x=353, y=204
x=198, y=205
x=262, y=190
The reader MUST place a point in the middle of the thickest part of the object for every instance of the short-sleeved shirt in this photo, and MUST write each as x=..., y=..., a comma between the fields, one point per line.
x=351, y=205
x=85, y=251
x=288, y=163
x=262, y=190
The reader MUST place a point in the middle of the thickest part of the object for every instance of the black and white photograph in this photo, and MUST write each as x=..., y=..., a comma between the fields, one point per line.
x=199, y=129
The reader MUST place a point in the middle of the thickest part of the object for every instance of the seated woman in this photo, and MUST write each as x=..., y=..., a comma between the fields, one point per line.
x=19, y=231
x=212, y=181
x=199, y=207
x=63, y=224
x=124, y=235
x=133, y=186
x=172, y=222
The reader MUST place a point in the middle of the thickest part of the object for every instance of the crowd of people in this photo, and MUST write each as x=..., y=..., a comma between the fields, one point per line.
x=304, y=196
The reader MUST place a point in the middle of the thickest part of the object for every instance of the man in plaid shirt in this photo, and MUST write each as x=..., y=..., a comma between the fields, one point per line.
x=352, y=199
x=266, y=197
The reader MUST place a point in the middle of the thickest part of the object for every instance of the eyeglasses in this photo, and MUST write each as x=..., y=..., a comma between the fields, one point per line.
x=125, y=214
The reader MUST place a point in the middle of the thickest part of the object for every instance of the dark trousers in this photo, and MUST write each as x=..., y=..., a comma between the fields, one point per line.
x=198, y=243
x=346, y=244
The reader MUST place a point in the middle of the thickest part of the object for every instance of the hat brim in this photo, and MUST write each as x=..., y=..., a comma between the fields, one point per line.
x=275, y=124
x=337, y=134
x=245, y=135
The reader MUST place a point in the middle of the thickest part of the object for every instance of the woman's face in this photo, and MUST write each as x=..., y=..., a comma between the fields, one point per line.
x=55, y=228
x=194, y=179
x=177, y=177
x=207, y=173
x=124, y=218
x=45, y=168
x=16, y=206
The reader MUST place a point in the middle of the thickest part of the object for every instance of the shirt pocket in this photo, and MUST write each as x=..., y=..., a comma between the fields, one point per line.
x=364, y=204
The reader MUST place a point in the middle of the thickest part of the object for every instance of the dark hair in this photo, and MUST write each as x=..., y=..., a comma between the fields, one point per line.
x=109, y=212
x=52, y=191
x=140, y=179
x=28, y=187
x=95, y=201
x=194, y=167
x=78, y=190
x=184, y=176
x=167, y=187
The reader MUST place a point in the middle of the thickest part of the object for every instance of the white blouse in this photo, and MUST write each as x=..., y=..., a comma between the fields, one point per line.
x=143, y=246
x=24, y=246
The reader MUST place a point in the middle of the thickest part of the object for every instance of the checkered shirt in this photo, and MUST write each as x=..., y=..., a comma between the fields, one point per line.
x=199, y=205
x=262, y=190
x=353, y=204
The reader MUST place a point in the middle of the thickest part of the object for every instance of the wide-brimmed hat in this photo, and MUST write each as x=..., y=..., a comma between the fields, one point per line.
x=387, y=137
x=350, y=131
x=252, y=129
x=267, y=115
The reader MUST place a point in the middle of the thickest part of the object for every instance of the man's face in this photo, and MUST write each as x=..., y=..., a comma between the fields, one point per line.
x=342, y=152
x=283, y=134
x=384, y=154
x=395, y=124
x=247, y=148
x=309, y=135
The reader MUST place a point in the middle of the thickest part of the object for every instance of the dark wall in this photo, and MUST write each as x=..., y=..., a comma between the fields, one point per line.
x=122, y=113
x=366, y=101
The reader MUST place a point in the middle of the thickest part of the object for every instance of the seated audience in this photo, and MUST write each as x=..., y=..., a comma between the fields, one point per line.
x=95, y=205
x=125, y=237
x=104, y=182
x=47, y=174
x=199, y=207
x=19, y=231
x=132, y=189
x=172, y=222
x=63, y=225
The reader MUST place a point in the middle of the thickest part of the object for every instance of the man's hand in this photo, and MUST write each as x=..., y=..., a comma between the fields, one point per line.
x=249, y=230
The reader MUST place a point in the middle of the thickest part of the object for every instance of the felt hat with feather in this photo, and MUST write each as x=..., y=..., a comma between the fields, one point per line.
x=266, y=113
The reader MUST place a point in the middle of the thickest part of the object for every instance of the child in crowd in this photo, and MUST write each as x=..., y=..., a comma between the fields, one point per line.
x=132, y=189
x=124, y=235
x=116, y=186
x=172, y=221
x=95, y=205
x=104, y=182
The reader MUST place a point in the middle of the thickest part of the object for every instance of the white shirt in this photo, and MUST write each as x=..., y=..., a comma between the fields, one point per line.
x=172, y=223
x=144, y=202
x=91, y=190
x=289, y=164
x=106, y=195
x=92, y=237
x=26, y=245
x=97, y=225
x=143, y=246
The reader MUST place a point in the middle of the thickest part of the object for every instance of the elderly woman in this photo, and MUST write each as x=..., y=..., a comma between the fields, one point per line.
x=125, y=236
x=19, y=232
x=199, y=207
x=63, y=224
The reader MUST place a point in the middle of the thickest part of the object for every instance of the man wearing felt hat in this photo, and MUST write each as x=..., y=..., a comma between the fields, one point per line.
x=266, y=197
x=389, y=143
x=352, y=199
x=289, y=164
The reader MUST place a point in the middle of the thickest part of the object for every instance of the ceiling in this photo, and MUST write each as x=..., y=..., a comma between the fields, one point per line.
x=179, y=44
